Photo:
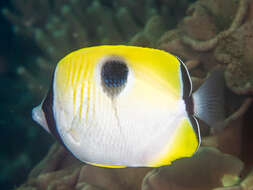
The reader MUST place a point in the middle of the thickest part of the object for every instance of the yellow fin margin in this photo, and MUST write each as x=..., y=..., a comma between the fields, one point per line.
x=106, y=166
x=184, y=144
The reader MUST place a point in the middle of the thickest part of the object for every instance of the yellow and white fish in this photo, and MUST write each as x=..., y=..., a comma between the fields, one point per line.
x=125, y=106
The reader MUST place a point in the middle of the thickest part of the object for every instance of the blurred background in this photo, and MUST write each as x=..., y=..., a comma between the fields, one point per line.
x=22, y=142
x=34, y=35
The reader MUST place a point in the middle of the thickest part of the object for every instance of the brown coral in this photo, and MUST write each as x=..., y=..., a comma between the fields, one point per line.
x=217, y=41
x=60, y=170
x=209, y=167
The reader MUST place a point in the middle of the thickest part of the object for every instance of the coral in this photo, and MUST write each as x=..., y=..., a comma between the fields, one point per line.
x=245, y=184
x=154, y=28
x=208, y=166
x=236, y=52
x=59, y=169
x=228, y=132
x=208, y=33
x=211, y=43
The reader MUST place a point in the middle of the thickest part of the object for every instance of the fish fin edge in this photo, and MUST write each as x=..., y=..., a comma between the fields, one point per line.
x=39, y=116
x=208, y=100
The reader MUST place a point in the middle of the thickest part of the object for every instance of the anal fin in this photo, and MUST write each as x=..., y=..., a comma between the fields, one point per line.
x=184, y=143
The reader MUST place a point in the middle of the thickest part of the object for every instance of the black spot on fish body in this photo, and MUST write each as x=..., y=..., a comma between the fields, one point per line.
x=114, y=75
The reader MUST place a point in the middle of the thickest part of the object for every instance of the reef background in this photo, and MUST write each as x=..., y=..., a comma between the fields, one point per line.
x=205, y=34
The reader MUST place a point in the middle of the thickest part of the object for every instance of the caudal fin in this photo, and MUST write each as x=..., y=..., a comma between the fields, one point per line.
x=209, y=99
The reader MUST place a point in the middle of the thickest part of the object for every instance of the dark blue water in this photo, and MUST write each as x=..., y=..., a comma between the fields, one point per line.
x=20, y=137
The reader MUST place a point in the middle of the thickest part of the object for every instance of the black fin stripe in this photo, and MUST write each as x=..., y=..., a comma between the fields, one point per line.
x=47, y=108
x=195, y=126
x=185, y=80
x=189, y=105
x=186, y=88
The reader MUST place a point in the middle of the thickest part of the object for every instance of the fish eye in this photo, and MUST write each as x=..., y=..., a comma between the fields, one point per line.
x=114, y=73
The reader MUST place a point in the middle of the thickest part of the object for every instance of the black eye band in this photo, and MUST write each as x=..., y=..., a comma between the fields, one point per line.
x=114, y=73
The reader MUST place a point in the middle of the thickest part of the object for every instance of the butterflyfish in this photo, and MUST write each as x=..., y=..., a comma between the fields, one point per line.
x=125, y=106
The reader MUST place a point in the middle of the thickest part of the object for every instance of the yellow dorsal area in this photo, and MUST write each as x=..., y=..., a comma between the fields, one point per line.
x=183, y=144
x=157, y=67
